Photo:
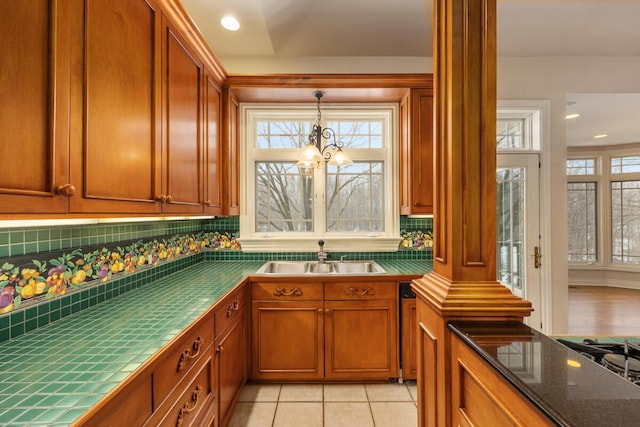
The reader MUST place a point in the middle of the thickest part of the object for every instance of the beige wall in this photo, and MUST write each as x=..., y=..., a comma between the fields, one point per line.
x=538, y=78
x=550, y=78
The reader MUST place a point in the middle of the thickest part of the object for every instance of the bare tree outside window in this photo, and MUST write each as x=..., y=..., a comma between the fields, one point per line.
x=284, y=193
x=582, y=221
x=625, y=221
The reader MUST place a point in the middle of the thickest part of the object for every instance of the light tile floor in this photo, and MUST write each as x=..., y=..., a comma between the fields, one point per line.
x=330, y=405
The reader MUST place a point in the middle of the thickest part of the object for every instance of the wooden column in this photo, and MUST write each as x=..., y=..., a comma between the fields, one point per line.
x=463, y=283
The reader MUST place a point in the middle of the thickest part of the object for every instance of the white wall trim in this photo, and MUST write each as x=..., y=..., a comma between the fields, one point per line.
x=542, y=108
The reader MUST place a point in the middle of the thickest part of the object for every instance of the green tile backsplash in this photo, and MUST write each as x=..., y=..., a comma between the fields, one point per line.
x=42, y=246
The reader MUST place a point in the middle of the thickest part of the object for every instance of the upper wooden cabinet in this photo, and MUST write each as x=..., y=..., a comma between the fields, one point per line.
x=416, y=152
x=182, y=160
x=115, y=127
x=34, y=88
x=231, y=153
x=124, y=110
x=213, y=148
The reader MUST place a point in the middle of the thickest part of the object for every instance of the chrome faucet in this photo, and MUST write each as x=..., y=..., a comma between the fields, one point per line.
x=322, y=255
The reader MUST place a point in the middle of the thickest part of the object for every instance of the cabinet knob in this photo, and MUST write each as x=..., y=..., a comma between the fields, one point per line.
x=207, y=202
x=219, y=349
x=169, y=198
x=161, y=198
x=67, y=190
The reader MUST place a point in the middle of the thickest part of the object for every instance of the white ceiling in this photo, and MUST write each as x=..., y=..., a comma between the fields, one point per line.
x=287, y=31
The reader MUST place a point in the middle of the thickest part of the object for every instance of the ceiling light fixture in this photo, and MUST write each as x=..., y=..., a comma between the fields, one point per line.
x=314, y=152
x=572, y=116
x=230, y=23
x=602, y=135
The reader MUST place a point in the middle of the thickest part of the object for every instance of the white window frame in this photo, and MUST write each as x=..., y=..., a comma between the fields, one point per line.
x=253, y=241
x=598, y=178
x=603, y=157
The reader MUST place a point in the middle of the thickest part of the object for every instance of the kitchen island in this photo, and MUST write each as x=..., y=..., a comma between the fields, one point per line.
x=536, y=376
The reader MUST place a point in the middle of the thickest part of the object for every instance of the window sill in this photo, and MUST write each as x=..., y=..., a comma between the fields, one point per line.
x=310, y=244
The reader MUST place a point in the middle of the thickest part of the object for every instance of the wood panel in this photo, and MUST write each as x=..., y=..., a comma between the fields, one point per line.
x=182, y=120
x=115, y=145
x=421, y=149
x=34, y=112
x=482, y=397
x=213, y=182
x=287, y=340
x=361, y=340
x=231, y=349
x=231, y=156
x=127, y=405
x=409, y=330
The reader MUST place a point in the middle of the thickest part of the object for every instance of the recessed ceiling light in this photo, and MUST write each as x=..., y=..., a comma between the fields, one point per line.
x=572, y=116
x=230, y=23
x=602, y=135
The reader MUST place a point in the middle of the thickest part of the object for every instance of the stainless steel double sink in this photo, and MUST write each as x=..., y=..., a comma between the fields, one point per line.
x=293, y=268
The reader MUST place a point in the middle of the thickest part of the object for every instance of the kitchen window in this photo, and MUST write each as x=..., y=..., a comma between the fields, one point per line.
x=625, y=210
x=582, y=209
x=289, y=208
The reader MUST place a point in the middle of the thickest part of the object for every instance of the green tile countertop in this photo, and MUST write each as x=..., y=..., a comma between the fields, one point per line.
x=411, y=267
x=56, y=373
x=53, y=375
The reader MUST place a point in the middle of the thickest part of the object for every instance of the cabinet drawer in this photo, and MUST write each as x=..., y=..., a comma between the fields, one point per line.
x=180, y=358
x=195, y=404
x=230, y=309
x=284, y=291
x=360, y=290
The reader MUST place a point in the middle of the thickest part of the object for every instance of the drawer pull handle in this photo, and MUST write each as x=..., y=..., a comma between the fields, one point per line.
x=360, y=292
x=190, y=354
x=233, y=307
x=280, y=292
x=188, y=407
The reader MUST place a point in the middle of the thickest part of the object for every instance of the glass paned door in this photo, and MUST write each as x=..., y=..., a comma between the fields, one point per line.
x=518, y=219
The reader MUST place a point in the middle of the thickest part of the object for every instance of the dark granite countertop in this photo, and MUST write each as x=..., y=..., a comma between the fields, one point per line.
x=569, y=388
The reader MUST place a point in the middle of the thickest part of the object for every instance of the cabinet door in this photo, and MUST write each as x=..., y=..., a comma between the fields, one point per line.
x=231, y=349
x=421, y=174
x=115, y=127
x=287, y=340
x=409, y=330
x=34, y=89
x=361, y=340
x=405, y=154
x=232, y=159
x=182, y=124
x=213, y=182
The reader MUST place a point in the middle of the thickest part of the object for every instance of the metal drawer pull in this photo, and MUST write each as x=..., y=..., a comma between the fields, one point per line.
x=188, y=407
x=360, y=292
x=190, y=354
x=280, y=292
x=233, y=307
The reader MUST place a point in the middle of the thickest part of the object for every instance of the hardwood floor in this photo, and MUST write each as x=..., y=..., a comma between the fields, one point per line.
x=604, y=311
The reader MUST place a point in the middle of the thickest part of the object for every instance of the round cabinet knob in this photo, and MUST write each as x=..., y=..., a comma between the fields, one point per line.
x=161, y=198
x=169, y=198
x=207, y=202
x=67, y=190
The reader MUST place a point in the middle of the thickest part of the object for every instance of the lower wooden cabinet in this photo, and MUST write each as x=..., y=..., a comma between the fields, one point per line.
x=287, y=340
x=130, y=404
x=231, y=350
x=409, y=347
x=324, y=331
x=193, y=401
